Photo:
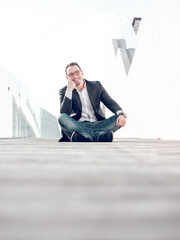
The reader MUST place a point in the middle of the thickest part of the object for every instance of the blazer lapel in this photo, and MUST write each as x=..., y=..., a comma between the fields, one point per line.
x=77, y=99
x=90, y=92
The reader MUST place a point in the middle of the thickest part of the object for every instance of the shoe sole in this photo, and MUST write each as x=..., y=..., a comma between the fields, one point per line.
x=71, y=139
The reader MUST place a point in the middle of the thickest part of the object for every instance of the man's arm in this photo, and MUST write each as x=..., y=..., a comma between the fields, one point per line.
x=114, y=107
x=66, y=98
x=65, y=102
x=109, y=102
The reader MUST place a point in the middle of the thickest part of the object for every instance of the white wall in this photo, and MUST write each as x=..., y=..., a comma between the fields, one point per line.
x=5, y=106
x=152, y=99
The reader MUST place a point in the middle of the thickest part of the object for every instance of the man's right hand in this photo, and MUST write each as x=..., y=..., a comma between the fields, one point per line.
x=70, y=85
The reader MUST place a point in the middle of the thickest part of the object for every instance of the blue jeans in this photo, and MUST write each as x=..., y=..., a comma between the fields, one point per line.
x=89, y=130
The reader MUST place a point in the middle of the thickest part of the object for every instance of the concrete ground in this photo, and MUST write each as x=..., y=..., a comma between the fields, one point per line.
x=125, y=190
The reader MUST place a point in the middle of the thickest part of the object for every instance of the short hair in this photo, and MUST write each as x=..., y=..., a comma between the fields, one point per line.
x=72, y=64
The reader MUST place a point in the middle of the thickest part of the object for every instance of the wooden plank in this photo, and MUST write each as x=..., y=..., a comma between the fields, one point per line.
x=128, y=189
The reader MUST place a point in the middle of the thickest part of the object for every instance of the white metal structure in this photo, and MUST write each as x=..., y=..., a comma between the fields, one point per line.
x=20, y=117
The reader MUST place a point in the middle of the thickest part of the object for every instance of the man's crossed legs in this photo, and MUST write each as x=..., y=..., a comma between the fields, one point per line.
x=99, y=131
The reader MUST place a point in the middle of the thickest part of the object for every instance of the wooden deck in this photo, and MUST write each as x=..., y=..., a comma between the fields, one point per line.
x=125, y=190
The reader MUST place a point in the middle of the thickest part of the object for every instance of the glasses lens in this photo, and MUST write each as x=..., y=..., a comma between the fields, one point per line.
x=74, y=73
x=77, y=72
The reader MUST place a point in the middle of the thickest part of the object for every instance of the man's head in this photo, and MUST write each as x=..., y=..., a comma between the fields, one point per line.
x=74, y=73
x=72, y=64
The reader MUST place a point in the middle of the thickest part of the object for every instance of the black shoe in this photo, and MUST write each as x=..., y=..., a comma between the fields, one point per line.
x=75, y=137
x=106, y=137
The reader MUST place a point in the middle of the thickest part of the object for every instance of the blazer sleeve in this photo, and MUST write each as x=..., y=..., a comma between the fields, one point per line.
x=65, y=102
x=111, y=104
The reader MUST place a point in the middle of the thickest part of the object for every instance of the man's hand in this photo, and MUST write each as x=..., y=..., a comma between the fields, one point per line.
x=121, y=121
x=70, y=85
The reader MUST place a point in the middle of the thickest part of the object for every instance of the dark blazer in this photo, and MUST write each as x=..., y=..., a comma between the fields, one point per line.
x=97, y=94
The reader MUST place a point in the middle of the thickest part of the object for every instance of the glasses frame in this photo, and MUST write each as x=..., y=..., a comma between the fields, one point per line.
x=71, y=75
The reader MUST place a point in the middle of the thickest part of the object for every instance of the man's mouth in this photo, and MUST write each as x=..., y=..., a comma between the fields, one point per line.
x=76, y=81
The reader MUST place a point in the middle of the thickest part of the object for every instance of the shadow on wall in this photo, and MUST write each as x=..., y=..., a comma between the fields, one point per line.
x=49, y=125
x=20, y=126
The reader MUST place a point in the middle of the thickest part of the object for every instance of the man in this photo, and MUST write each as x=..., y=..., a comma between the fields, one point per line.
x=82, y=119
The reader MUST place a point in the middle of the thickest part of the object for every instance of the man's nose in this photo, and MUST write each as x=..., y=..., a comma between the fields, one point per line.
x=74, y=76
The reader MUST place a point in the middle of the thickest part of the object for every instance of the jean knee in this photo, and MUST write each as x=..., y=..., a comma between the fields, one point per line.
x=62, y=117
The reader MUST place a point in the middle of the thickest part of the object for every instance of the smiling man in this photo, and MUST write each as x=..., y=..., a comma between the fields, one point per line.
x=82, y=119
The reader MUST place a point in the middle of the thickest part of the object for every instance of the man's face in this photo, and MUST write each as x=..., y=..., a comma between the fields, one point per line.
x=75, y=74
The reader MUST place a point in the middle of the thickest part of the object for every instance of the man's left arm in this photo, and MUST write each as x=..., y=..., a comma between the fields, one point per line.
x=114, y=107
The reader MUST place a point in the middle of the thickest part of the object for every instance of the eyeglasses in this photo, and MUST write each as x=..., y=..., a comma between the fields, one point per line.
x=71, y=75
